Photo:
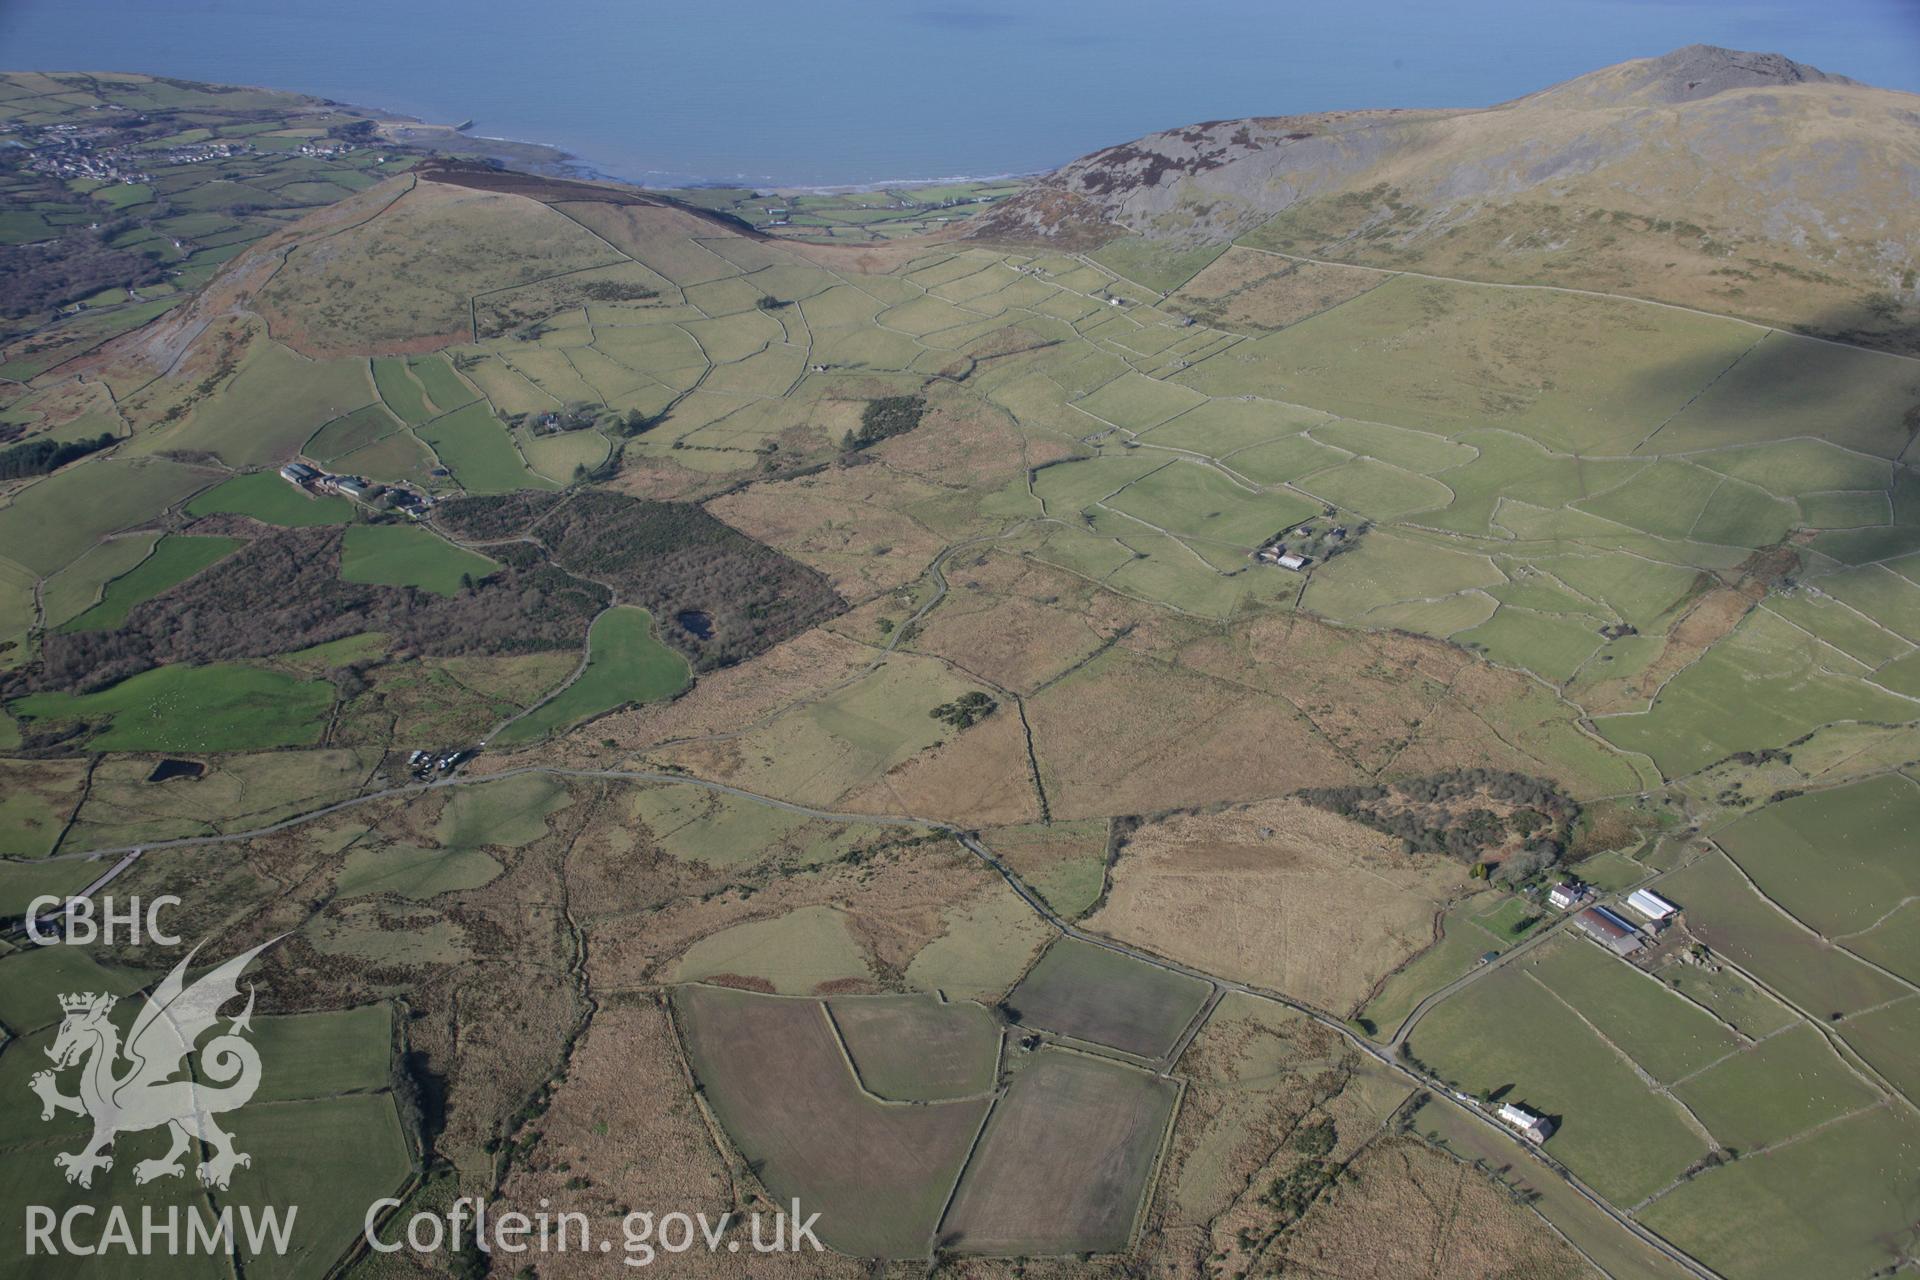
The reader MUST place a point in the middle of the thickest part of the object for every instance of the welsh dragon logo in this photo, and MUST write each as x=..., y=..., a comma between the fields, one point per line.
x=132, y=1087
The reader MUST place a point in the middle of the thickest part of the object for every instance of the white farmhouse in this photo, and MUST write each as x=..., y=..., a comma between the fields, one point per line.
x=1532, y=1127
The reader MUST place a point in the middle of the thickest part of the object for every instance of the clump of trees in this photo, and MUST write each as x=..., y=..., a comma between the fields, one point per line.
x=636, y=423
x=1292, y=1193
x=37, y=457
x=74, y=265
x=883, y=419
x=577, y=415
x=966, y=710
x=1315, y=1140
x=671, y=558
x=1448, y=813
x=284, y=592
x=613, y=291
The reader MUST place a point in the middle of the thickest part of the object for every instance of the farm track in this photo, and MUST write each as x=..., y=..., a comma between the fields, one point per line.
x=1583, y=293
x=1386, y=1054
x=1387, y=1057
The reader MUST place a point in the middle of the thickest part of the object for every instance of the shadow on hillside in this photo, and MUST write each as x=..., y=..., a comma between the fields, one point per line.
x=1803, y=383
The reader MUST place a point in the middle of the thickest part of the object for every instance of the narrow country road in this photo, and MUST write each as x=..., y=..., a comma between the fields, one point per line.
x=1387, y=1057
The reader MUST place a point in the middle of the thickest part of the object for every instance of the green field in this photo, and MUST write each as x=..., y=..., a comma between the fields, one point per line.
x=403, y=395
x=1187, y=498
x=322, y=1133
x=22, y=882
x=626, y=664
x=413, y=873
x=473, y=444
x=356, y=430
x=712, y=827
x=48, y=524
x=444, y=387
x=1732, y=998
x=396, y=459
x=236, y=792
x=266, y=497
x=34, y=978
x=1549, y=646
x=794, y=953
x=1154, y=265
x=1064, y=1161
x=1377, y=490
x=78, y=587
x=1508, y=1031
x=1575, y=373
x=1836, y=1203
x=775, y=1077
x=1836, y=859
x=1384, y=570
x=1776, y=1090
x=37, y=797
x=1795, y=386
x=507, y=812
x=1455, y=953
x=404, y=556
x=988, y=943
x=223, y=707
x=917, y=1048
x=1763, y=686
x=1668, y=1037
x=264, y=416
x=1092, y=993
x=1820, y=979
x=560, y=457
x=176, y=558
x=317, y=1054
x=1138, y=402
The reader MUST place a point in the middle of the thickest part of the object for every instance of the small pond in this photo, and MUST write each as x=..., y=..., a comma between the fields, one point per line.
x=168, y=770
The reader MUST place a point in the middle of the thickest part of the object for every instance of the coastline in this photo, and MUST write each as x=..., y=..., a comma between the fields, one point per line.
x=555, y=160
x=854, y=188
x=551, y=160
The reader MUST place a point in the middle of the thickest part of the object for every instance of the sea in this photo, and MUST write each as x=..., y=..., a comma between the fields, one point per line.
x=824, y=93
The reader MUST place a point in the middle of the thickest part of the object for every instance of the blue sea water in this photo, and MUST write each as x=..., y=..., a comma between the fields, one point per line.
x=817, y=92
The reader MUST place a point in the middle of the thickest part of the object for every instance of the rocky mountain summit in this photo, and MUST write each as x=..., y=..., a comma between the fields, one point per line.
x=1742, y=182
x=1685, y=75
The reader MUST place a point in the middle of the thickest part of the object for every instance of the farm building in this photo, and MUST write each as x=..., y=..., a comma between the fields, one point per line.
x=1609, y=930
x=353, y=488
x=1278, y=554
x=1566, y=894
x=298, y=473
x=1534, y=1127
x=1646, y=902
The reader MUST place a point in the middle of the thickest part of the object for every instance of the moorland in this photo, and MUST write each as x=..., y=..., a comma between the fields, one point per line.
x=890, y=775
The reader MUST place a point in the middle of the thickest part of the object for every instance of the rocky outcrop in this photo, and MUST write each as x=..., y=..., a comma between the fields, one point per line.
x=1742, y=182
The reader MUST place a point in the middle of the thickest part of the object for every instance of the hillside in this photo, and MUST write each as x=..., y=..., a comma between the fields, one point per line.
x=1736, y=182
x=705, y=709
